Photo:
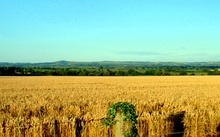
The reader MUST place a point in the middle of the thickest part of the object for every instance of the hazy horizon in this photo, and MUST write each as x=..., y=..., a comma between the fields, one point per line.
x=114, y=61
x=126, y=30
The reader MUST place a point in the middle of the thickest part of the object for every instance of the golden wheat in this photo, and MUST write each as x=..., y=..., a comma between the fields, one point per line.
x=69, y=106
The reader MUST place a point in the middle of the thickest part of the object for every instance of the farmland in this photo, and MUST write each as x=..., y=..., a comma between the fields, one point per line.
x=74, y=106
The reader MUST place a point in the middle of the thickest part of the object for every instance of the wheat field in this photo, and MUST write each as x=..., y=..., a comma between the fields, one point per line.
x=74, y=106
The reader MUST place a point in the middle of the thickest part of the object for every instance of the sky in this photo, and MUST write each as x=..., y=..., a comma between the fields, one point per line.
x=109, y=30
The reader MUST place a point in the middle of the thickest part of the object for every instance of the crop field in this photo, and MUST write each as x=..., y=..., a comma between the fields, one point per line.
x=186, y=106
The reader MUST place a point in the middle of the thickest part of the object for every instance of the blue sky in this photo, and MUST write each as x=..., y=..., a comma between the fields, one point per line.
x=109, y=30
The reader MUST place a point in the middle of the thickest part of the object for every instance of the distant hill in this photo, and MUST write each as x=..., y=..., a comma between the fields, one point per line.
x=113, y=64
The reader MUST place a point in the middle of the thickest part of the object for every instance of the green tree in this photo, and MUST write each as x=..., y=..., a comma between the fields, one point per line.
x=183, y=72
x=132, y=72
x=151, y=72
x=106, y=72
x=119, y=73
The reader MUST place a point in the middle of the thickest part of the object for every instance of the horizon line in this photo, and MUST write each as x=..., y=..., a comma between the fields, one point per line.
x=112, y=61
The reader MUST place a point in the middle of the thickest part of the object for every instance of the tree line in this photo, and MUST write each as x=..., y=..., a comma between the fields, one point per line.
x=137, y=71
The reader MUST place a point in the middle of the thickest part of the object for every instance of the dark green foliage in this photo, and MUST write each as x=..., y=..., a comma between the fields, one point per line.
x=127, y=110
x=214, y=72
x=183, y=72
x=132, y=72
x=106, y=72
x=109, y=70
x=119, y=73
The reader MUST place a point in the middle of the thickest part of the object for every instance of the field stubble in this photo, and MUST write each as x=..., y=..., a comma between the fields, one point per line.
x=74, y=106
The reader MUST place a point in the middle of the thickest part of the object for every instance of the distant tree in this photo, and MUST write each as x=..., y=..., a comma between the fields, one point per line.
x=163, y=72
x=99, y=72
x=106, y=72
x=158, y=72
x=53, y=72
x=119, y=73
x=73, y=73
x=81, y=73
x=214, y=72
x=85, y=71
x=11, y=70
x=132, y=72
x=112, y=73
x=183, y=72
x=151, y=72
x=2, y=70
x=205, y=70
x=64, y=72
x=101, y=67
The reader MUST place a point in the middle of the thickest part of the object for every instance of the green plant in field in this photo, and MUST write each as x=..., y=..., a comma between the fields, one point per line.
x=129, y=113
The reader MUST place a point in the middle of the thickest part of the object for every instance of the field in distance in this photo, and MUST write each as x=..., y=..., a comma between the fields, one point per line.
x=73, y=106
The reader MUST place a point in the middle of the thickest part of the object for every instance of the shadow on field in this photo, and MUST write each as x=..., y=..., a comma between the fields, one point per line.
x=218, y=130
x=78, y=127
x=178, y=125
